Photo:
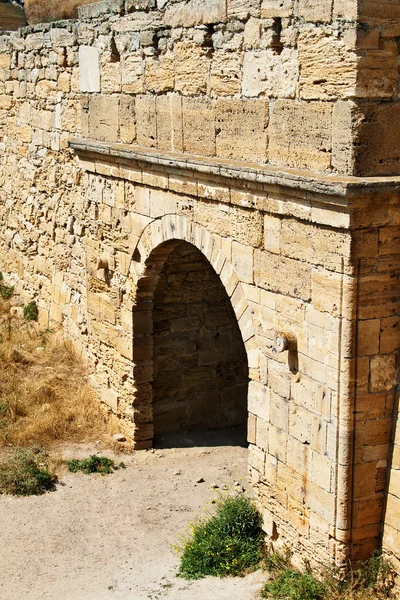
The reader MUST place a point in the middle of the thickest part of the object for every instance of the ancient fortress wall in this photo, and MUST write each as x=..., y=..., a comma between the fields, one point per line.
x=142, y=144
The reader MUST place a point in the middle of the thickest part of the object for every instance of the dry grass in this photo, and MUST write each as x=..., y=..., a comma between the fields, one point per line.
x=44, y=395
x=44, y=11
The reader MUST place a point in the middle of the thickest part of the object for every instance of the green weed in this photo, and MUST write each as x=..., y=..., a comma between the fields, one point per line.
x=93, y=464
x=373, y=580
x=227, y=542
x=291, y=584
x=6, y=291
x=31, y=311
x=26, y=473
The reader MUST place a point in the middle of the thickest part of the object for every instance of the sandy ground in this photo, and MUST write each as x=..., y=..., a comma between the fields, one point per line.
x=110, y=538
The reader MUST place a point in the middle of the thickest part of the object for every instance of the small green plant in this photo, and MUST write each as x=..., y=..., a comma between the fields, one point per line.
x=26, y=473
x=6, y=291
x=31, y=311
x=93, y=464
x=374, y=579
x=291, y=584
x=226, y=542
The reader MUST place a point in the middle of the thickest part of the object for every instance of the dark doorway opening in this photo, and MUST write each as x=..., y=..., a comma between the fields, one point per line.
x=200, y=371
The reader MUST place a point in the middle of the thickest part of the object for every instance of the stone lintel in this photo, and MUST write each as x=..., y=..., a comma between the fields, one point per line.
x=332, y=189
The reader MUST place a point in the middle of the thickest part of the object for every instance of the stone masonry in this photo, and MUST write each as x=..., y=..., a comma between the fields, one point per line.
x=184, y=183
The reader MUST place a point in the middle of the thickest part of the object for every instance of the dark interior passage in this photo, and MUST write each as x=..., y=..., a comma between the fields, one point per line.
x=200, y=374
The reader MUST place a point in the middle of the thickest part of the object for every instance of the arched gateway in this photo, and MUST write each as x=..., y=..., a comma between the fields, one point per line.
x=190, y=360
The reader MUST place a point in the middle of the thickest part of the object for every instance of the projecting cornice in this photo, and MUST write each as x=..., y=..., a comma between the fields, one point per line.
x=337, y=189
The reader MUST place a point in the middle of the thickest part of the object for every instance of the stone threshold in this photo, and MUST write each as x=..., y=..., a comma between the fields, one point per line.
x=339, y=186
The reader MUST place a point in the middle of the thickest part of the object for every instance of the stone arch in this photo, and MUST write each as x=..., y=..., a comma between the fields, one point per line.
x=156, y=243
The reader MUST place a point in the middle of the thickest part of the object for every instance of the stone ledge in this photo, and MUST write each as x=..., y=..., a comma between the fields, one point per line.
x=339, y=188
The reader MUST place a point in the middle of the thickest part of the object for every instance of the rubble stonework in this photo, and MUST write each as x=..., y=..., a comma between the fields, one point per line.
x=265, y=135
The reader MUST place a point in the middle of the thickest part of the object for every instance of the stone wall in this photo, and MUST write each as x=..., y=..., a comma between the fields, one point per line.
x=238, y=128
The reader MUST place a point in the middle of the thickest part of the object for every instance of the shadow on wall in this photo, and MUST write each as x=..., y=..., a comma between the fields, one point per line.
x=44, y=11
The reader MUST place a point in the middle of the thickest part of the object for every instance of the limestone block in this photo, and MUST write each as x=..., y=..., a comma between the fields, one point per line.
x=199, y=126
x=99, y=8
x=62, y=37
x=127, y=119
x=134, y=5
x=110, y=78
x=242, y=129
x=104, y=118
x=328, y=67
x=272, y=8
x=5, y=61
x=368, y=337
x=315, y=10
x=383, y=373
x=271, y=74
x=252, y=34
x=132, y=66
x=169, y=123
x=279, y=411
x=159, y=74
x=246, y=226
x=385, y=12
x=64, y=82
x=259, y=400
x=225, y=76
x=89, y=69
x=191, y=68
x=195, y=12
x=282, y=275
x=327, y=291
x=390, y=334
x=146, y=123
x=242, y=262
x=35, y=41
x=300, y=134
x=101, y=307
x=110, y=397
x=346, y=119
x=377, y=151
x=277, y=443
x=242, y=9
x=346, y=9
x=377, y=74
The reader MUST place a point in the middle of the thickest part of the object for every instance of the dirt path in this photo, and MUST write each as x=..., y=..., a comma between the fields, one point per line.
x=109, y=538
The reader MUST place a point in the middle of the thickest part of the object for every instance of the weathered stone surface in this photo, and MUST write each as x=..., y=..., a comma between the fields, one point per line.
x=242, y=129
x=225, y=75
x=377, y=151
x=104, y=118
x=316, y=10
x=133, y=67
x=328, y=67
x=242, y=9
x=159, y=74
x=191, y=68
x=198, y=126
x=195, y=12
x=271, y=8
x=270, y=74
x=300, y=134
